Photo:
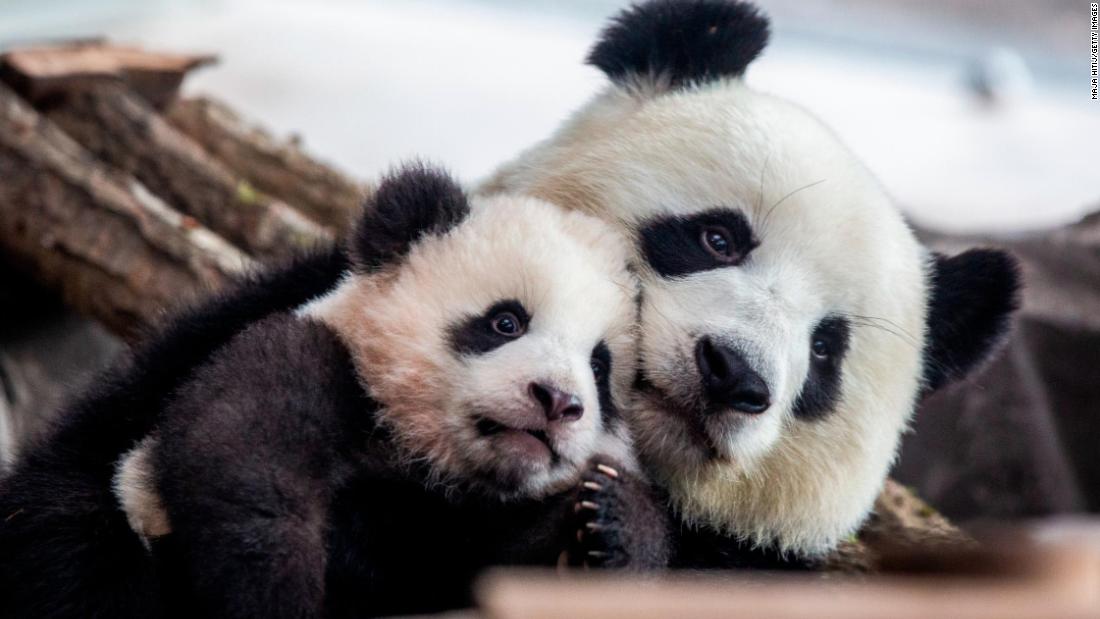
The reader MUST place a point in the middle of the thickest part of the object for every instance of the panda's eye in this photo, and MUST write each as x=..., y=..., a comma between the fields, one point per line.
x=507, y=324
x=820, y=348
x=718, y=242
x=599, y=369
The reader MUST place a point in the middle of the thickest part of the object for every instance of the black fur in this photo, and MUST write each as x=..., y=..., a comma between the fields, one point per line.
x=821, y=390
x=703, y=548
x=631, y=531
x=684, y=41
x=249, y=456
x=622, y=522
x=601, y=357
x=66, y=550
x=973, y=296
x=420, y=551
x=476, y=336
x=410, y=203
x=673, y=245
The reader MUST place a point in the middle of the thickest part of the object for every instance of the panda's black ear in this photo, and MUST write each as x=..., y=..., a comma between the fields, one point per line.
x=409, y=204
x=675, y=43
x=972, y=298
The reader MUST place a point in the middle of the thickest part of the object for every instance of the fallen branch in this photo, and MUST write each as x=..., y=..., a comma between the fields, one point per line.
x=900, y=524
x=277, y=168
x=43, y=72
x=112, y=249
x=124, y=131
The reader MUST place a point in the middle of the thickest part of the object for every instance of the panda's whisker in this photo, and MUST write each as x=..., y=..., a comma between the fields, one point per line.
x=887, y=321
x=891, y=328
x=760, y=191
x=901, y=336
x=768, y=215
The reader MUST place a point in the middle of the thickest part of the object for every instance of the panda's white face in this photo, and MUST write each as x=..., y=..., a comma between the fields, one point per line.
x=783, y=307
x=499, y=348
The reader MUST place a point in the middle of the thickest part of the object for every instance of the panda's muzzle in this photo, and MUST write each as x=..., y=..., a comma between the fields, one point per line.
x=729, y=382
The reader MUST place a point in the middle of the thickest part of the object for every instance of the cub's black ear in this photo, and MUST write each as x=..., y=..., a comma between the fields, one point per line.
x=680, y=42
x=972, y=299
x=410, y=203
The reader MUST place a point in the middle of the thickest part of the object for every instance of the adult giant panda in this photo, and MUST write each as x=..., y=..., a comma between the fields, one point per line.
x=790, y=320
x=440, y=401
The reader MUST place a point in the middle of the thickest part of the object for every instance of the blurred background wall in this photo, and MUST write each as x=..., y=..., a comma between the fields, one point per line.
x=973, y=112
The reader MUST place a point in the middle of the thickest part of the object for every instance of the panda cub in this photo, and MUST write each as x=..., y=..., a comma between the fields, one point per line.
x=790, y=319
x=428, y=417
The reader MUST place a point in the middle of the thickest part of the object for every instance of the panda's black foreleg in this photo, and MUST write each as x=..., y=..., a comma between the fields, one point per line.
x=249, y=458
x=620, y=521
x=67, y=552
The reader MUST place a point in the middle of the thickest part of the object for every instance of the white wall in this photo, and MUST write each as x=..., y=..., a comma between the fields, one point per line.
x=469, y=83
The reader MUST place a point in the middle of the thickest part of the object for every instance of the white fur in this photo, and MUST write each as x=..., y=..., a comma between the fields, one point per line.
x=135, y=486
x=831, y=243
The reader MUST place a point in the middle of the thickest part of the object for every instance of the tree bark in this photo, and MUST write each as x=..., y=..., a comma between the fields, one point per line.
x=111, y=248
x=900, y=525
x=46, y=71
x=278, y=168
x=124, y=131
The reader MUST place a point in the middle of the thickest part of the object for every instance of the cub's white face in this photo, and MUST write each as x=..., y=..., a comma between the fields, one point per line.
x=489, y=345
x=783, y=308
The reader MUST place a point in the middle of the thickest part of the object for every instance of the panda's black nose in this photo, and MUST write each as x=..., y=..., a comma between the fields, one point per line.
x=556, y=403
x=729, y=380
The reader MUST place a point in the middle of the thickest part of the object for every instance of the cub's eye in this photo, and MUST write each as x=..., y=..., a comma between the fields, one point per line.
x=507, y=324
x=820, y=348
x=718, y=242
x=599, y=369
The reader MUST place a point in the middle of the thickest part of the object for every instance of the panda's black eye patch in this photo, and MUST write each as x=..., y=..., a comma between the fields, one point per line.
x=820, y=392
x=504, y=322
x=677, y=246
x=601, y=371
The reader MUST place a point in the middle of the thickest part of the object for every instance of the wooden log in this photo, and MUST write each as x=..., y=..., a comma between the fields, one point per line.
x=279, y=168
x=900, y=524
x=110, y=247
x=124, y=131
x=45, y=71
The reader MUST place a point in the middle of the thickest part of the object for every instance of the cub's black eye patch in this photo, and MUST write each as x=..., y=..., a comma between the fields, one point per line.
x=677, y=246
x=504, y=322
x=820, y=392
x=601, y=371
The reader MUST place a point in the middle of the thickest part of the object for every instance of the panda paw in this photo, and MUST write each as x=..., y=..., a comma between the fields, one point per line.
x=618, y=521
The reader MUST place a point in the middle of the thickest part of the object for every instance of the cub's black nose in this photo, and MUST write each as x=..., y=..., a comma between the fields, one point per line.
x=556, y=403
x=728, y=380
